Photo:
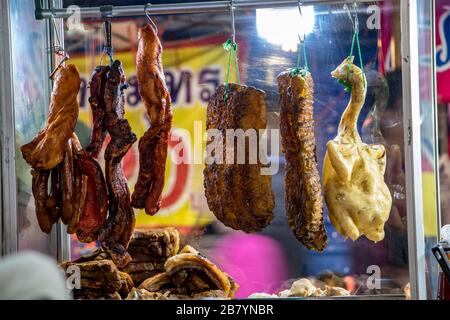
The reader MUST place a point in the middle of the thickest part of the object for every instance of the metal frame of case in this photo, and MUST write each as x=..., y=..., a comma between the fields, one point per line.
x=411, y=115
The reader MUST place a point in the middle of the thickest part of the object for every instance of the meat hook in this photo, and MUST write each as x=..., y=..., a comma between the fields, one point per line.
x=233, y=28
x=301, y=38
x=152, y=23
x=57, y=49
x=106, y=12
x=354, y=20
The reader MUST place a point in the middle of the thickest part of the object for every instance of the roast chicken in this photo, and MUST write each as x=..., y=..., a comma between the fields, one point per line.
x=357, y=198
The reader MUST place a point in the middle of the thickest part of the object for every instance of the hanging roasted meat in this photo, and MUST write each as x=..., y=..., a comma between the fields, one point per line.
x=238, y=194
x=46, y=150
x=153, y=144
x=357, y=198
x=95, y=205
x=302, y=181
x=92, y=197
x=97, y=103
x=39, y=188
x=118, y=228
x=66, y=170
x=79, y=186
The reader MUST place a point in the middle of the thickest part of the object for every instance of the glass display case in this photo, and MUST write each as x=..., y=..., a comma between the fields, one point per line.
x=395, y=50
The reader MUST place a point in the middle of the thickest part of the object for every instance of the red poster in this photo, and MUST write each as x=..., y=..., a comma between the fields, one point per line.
x=443, y=50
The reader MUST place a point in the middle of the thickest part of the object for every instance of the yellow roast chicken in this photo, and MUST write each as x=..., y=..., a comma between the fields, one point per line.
x=357, y=198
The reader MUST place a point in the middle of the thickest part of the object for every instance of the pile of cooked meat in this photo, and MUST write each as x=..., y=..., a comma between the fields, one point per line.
x=99, y=279
x=188, y=274
x=159, y=270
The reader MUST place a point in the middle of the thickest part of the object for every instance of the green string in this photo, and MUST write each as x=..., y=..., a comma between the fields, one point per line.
x=299, y=69
x=346, y=83
x=232, y=48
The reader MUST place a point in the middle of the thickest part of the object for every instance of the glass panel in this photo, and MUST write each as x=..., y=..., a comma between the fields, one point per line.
x=424, y=9
x=195, y=63
x=29, y=59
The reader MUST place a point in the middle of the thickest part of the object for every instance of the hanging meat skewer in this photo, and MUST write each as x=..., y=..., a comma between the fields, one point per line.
x=118, y=228
x=153, y=144
x=302, y=181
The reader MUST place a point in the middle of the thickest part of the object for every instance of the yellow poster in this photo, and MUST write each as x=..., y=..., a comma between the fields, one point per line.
x=193, y=70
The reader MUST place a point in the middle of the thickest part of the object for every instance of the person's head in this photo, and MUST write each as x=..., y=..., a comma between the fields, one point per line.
x=392, y=117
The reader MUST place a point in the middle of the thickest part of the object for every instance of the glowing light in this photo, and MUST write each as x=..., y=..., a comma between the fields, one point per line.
x=282, y=26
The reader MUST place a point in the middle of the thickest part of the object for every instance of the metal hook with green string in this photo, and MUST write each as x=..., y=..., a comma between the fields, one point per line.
x=232, y=47
x=355, y=38
x=301, y=49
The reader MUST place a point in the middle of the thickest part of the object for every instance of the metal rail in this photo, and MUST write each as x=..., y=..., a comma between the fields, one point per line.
x=182, y=8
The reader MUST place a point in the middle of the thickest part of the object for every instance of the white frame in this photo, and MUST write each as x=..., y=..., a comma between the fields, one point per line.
x=412, y=152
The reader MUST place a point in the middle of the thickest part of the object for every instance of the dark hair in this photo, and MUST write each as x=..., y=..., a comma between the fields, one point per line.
x=394, y=81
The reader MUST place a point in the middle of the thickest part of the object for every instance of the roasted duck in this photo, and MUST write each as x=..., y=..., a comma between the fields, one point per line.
x=153, y=144
x=46, y=150
x=302, y=181
x=237, y=194
x=356, y=195
x=118, y=228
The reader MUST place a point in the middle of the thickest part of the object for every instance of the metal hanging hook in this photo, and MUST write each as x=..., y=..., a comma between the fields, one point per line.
x=233, y=28
x=57, y=49
x=150, y=20
x=353, y=16
x=302, y=37
x=356, y=24
x=106, y=12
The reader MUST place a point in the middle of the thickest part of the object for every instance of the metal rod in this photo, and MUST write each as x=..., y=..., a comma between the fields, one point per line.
x=233, y=23
x=184, y=8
